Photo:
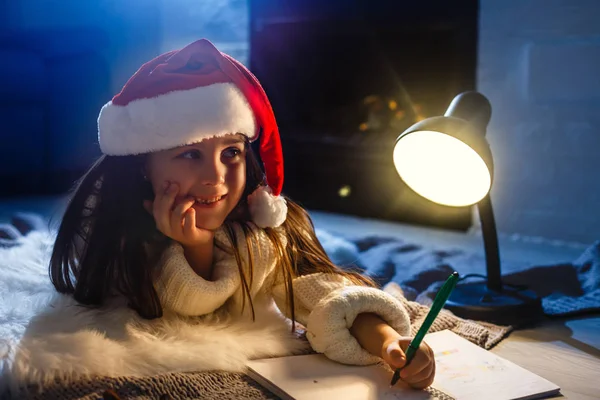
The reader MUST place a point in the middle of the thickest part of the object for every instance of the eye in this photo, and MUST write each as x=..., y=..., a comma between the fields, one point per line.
x=190, y=155
x=232, y=152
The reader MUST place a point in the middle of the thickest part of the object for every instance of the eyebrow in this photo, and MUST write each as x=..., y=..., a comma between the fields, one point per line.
x=234, y=139
x=228, y=141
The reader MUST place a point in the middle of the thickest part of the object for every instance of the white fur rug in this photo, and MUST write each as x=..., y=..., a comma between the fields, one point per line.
x=45, y=335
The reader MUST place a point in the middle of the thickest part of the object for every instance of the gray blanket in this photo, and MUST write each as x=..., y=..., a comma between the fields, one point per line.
x=198, y=385
x=566, y=289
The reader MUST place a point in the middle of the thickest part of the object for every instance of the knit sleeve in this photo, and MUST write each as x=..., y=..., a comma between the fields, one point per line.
x=327, y=305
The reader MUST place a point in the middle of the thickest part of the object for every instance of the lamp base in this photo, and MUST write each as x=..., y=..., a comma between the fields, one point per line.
x=506, y=307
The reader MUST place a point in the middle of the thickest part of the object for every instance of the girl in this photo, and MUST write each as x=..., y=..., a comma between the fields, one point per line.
x=178, y=219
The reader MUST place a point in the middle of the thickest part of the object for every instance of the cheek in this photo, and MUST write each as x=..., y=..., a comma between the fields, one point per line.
x=236, y=178
x=157, y=169
x=168, y=172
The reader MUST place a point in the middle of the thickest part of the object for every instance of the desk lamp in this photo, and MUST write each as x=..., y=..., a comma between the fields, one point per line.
x=447, y=160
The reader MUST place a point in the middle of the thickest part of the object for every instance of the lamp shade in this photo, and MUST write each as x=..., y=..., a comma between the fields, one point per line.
x=446, y=159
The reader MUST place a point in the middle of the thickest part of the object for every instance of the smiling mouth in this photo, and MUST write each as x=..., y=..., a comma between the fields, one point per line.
x=209, y=200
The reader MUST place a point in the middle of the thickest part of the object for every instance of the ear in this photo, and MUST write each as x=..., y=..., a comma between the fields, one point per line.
x=144, y=173
x=145, y=169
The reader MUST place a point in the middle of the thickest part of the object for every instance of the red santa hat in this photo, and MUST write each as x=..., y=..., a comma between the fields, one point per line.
x=186, y=96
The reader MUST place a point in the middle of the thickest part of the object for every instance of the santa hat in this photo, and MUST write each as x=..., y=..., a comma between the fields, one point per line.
x=186, y=96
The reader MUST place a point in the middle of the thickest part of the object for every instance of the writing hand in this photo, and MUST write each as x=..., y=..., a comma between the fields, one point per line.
x=420, y=372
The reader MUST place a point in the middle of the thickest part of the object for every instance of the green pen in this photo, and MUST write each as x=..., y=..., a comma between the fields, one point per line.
x=438, y=303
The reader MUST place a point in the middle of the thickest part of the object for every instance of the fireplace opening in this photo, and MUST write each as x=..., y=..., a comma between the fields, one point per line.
x=345, y=79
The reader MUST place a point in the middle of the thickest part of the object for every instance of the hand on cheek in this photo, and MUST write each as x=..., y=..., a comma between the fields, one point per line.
x=176, y=220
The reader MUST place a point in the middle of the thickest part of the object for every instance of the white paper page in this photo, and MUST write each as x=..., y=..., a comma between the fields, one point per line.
x=297, y=378
x=466, y=371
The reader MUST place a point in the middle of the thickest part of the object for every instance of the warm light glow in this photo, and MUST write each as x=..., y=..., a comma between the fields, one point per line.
x=442, y=168
x=344, y=191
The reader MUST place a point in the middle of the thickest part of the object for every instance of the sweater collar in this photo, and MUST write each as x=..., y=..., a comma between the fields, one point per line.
x=183, y=291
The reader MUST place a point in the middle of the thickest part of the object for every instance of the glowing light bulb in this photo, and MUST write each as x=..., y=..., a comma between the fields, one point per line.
x=442, y=168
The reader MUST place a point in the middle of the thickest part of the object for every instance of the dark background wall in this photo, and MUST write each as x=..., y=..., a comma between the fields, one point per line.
x=61, y=61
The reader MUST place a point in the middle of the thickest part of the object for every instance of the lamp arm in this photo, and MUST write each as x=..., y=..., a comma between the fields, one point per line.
x=490, y=241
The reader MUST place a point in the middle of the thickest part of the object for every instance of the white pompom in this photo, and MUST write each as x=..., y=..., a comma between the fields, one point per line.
x=267, y=211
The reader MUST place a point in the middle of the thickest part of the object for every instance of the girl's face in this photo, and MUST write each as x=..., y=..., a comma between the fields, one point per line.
x=213, y=172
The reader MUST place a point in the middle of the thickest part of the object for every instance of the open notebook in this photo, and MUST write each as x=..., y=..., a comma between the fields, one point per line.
x=464, y=371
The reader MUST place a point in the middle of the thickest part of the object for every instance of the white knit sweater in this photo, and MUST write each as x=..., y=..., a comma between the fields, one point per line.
x=326, y=304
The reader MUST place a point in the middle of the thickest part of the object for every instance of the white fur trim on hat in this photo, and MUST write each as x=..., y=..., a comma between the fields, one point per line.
x=174, y=119
x=267, y=211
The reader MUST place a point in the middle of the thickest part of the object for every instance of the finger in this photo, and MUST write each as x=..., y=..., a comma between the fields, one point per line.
x=189, y=224
x=417, y=364
x=395, y=355
x=178, y=214
x=162, y=208
x=422, y=375
x=424, y=383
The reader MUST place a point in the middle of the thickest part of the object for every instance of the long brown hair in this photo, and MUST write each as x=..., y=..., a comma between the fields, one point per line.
x=108, y=244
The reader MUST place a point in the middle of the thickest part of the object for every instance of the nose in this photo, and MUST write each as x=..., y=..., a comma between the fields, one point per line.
x=212, y=172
